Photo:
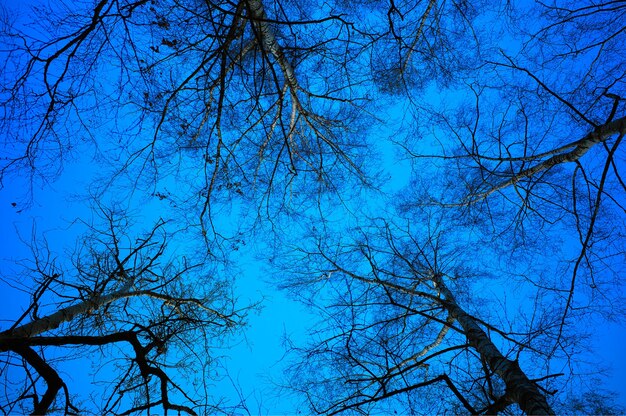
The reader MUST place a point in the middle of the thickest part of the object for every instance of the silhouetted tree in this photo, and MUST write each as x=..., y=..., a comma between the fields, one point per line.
x=242, y=100
x=532, y=148
x=238, y=100
x=146, y=322
x=395, y=337
x=217, y=108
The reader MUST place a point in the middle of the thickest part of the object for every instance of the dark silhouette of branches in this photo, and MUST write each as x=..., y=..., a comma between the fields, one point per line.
x=120, y=299
x=249, y=120
x=395, y=335
x=532, y=151
x=241, y=100
x=236, y=95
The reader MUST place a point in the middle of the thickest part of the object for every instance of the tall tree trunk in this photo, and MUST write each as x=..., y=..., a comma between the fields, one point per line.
x=57, y=318
x=269, y=42
x=519, y=388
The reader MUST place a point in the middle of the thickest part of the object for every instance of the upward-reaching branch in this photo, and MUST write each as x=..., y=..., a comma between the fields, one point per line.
x=599, y=135
x=118, y=294
x=270, y=43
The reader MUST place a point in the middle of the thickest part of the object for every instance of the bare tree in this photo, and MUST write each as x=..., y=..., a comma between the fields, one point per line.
x=147, y=321
x=532, y=148
x=241, y=101
x=394, y=336
x=221, y=107
x=237, y=99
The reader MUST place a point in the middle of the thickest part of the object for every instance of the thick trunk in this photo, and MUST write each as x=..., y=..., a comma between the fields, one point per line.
x=61, y=316
x=519, y=388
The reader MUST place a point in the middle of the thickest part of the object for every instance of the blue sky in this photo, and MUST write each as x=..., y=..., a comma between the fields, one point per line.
x=388, y=125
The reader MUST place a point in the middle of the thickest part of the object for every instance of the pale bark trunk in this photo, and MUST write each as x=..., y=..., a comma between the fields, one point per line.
x=519, y=388
x=61, y=316
x=270, y=44
x=582, y=146
x=418, y=35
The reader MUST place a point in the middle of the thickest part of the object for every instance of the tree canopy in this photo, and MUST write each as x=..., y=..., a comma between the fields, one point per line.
x=441, y=181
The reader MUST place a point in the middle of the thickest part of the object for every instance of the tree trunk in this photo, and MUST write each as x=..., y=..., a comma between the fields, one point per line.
x=270, y=43
x=519, y=388
x=57, y=318
x=599, y=135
